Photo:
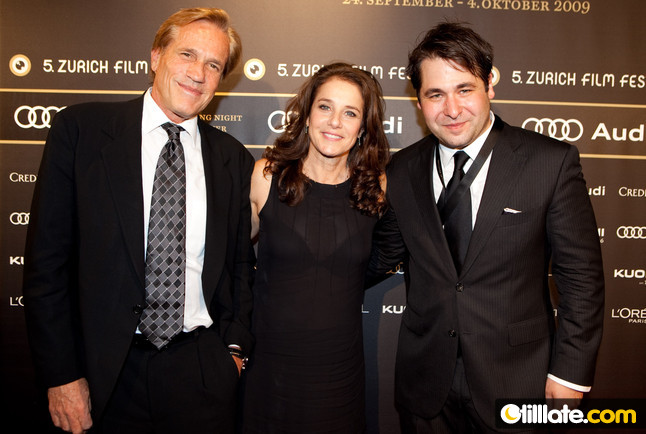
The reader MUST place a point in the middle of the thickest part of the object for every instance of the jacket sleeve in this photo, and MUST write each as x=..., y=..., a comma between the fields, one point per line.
x=388, y=248
x=578, y=274
x=238, y=331
x=50, y=283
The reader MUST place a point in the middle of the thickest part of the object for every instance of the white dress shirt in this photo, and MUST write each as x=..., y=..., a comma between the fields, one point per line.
x=477, y=188
x=153, y=139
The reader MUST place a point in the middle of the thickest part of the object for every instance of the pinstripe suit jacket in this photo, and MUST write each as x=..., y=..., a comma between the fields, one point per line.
x=499, y=307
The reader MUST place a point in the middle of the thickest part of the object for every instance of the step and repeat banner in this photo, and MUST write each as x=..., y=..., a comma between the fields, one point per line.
x=571, y=69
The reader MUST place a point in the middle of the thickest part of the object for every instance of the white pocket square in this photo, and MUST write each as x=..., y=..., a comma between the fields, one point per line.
x=511, y=211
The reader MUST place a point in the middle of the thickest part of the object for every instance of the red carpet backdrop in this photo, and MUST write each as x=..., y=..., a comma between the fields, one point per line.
x=571, y=69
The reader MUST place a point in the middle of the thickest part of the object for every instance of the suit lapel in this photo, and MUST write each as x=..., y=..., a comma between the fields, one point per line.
x=218, y=196
x=122, y=158
x=507, y=163
x=421, y=178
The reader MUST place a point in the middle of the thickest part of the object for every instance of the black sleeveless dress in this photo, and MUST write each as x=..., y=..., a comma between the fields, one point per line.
x=306, y=374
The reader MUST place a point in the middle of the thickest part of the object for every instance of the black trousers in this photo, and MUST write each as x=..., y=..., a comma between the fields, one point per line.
x=189, y=386
x=457, y=416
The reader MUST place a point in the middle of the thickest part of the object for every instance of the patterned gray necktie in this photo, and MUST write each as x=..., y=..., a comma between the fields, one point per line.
x=163, y=316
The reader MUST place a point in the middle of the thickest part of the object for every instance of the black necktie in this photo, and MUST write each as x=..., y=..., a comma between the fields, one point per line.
x=457, y=227
x=163, y=316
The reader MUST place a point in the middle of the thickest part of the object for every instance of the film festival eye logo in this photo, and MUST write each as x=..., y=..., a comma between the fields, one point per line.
x=20, y=65
x=254, y=69
x=495, y=76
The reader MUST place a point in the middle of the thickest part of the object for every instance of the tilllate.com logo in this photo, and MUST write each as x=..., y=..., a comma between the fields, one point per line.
x=567, y=413
x=510, y=414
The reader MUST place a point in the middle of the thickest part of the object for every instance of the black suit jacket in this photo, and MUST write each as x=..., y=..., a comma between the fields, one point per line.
x=498, y=308
x=84, y=272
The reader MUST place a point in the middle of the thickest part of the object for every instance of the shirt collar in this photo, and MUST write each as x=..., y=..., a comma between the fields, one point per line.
x=153, y=117
x=471, y=150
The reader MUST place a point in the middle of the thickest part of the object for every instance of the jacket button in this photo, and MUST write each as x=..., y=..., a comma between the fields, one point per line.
x=459, y=287
x=137, y=309
x=453, y=333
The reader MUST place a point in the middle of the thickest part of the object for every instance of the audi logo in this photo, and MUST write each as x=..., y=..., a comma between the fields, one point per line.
x=19, y=218
x=282, y=116
x=632, y=232
x=559, y=129
x=35, y=117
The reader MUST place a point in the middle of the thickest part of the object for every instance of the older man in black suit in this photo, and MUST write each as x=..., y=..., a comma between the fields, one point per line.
x=139, y=261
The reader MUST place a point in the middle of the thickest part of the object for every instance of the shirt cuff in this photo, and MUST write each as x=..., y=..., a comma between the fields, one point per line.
x=572, y=386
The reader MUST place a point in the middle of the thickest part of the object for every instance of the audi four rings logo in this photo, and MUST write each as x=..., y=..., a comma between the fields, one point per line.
x=282, y=116
x=632, y=232
x=559, y=129
x=35, y=117
x=19, y=218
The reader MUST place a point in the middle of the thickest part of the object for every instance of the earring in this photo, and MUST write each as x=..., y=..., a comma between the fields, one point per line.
x=359, y=139
x=307, y=129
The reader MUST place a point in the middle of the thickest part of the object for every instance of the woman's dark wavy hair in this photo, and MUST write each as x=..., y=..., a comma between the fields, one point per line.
x=366, y=162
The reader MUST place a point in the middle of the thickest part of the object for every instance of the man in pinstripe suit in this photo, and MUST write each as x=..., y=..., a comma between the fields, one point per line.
x=479, y=323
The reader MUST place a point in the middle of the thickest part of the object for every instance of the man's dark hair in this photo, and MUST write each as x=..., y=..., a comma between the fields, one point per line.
x=453, y=42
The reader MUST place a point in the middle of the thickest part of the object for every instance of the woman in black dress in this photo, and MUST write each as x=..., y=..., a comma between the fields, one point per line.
x=315, y=198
